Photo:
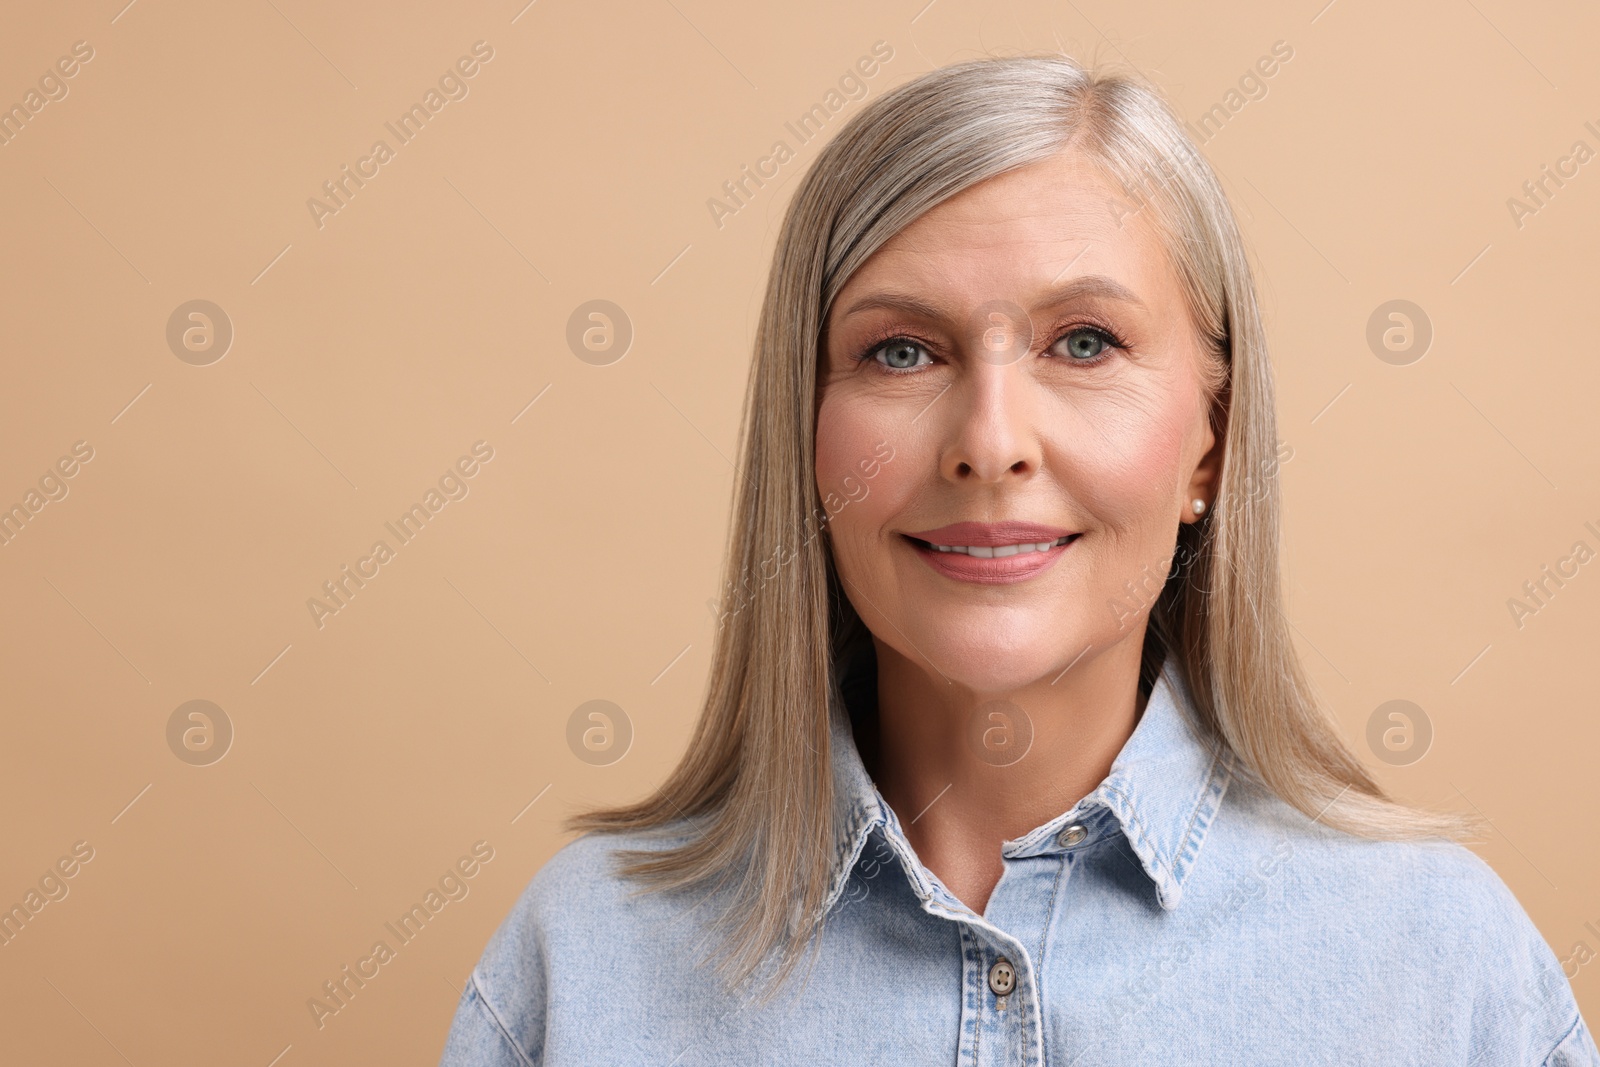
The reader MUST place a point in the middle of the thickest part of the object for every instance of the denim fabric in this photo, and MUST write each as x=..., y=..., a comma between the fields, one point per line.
x=1196, y=919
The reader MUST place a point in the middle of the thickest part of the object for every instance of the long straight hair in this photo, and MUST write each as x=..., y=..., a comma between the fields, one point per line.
x=755, y=788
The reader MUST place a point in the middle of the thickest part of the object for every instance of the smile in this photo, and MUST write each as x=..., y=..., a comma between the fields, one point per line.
x=1001, y=564
x=998, y=551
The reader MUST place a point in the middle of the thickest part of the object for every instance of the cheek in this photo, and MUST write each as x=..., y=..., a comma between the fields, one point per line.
x=850, y=438
x=1126, y=461
x=863, y=465
x=839, y=436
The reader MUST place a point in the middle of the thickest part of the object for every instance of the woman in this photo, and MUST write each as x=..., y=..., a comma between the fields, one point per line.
x=1007, y=756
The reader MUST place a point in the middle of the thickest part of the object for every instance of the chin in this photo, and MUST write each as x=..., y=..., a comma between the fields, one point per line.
x=995, y=666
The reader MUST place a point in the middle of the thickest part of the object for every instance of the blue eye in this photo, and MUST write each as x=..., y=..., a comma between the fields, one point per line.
x=1087, y=344
x=899, y=354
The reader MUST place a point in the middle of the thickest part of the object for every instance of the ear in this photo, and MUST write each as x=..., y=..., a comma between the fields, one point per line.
x=1207, y=479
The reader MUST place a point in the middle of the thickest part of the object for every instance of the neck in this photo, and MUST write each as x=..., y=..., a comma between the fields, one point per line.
x=959, y=798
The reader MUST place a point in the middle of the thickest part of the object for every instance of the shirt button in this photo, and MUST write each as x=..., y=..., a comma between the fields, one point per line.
x=1001, y=977
x=1072, y=835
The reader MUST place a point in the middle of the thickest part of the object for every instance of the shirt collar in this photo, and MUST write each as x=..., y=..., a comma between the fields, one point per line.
x=1164, y=788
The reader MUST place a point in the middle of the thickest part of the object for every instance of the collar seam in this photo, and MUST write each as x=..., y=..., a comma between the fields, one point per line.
x=1171, y=871
x=1211, y=794
x=852, y=841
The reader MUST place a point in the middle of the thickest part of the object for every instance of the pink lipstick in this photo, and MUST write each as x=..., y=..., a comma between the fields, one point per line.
x=991, y=552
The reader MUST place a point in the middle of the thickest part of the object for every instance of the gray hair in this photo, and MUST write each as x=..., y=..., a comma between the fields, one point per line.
x=755, y=786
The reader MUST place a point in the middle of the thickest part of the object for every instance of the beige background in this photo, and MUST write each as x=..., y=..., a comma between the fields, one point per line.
x=369, y=354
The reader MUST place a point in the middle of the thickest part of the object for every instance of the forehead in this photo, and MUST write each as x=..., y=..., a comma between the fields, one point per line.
x=1020, y=234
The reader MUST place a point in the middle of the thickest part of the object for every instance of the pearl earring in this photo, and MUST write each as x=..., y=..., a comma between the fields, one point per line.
x=1199, y=506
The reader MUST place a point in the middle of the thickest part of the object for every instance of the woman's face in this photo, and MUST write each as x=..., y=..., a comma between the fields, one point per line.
x=1014, y=356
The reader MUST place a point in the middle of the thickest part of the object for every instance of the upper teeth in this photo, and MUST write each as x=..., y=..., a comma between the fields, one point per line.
x=993, y=551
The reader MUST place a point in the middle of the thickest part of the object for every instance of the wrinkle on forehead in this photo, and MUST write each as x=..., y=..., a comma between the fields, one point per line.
x=1077, y=226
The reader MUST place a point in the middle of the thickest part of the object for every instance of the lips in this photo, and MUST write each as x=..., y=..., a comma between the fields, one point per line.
x=991, y=553
x=990, y=534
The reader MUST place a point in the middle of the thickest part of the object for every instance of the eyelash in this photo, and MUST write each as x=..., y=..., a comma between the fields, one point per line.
x=1107, y=334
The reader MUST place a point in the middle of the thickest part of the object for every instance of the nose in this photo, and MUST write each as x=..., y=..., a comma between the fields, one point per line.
x=994, y=433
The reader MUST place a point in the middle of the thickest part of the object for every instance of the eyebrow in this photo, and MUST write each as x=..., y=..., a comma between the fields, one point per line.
x=1089, y=285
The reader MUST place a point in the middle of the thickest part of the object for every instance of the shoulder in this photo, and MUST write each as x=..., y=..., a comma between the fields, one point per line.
x=1433, y=911
x=578, y=900
x=577, y=918
x=587, y=864
x=1431, y=880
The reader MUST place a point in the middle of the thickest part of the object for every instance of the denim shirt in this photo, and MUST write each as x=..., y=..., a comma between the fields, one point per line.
x=1178, y=914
